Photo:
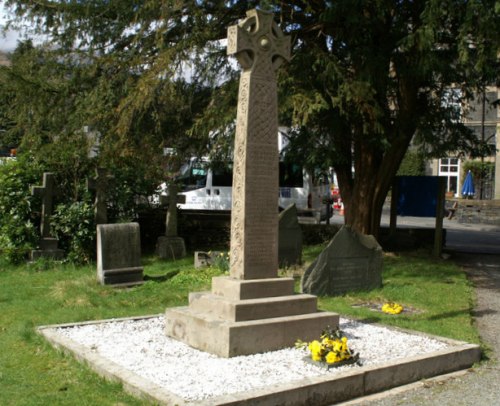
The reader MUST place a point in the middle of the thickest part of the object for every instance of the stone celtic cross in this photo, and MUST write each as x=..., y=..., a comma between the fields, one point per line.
x=100, y=184
x=260, y=47
x=172, y=200
x=47, y=192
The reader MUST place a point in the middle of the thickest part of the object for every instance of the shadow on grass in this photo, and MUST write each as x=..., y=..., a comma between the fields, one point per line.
x=484, y=312
x=448, y=315
x=161, y=278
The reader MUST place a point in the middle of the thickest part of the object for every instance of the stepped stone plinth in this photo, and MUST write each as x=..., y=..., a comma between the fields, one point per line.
x=228, y=326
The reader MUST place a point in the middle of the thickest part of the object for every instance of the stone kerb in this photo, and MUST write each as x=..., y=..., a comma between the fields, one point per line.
x=325, y=390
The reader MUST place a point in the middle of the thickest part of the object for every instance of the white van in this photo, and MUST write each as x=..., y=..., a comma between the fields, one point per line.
x=208, y=187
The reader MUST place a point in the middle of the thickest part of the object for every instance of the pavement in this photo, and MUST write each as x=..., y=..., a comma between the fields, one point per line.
x=476, y=248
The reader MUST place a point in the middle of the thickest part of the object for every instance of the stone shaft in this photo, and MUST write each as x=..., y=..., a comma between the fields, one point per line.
x=260, y=47
x=100, y=184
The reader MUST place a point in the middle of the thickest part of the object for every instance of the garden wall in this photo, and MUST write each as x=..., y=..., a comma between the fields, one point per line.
x=477, y=211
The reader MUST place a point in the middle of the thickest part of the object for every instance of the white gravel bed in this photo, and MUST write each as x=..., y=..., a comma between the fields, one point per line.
x=141, y=346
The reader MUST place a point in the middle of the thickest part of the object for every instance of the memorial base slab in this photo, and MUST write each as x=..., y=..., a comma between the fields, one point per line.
x=48, y=249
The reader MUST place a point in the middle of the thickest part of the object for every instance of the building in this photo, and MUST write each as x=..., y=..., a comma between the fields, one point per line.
x=483, y=117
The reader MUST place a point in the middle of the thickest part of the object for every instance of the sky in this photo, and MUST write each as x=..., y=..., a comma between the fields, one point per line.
x=9, y=42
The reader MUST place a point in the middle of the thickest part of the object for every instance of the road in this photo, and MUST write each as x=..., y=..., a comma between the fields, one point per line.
x=476, y=248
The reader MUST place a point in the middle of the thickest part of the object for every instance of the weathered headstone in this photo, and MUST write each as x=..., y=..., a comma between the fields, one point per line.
x=203, y=259
x=290, y=237
x=252, y=310
x=350, y=262
x=171, y=246
x=100, y=184
x=119, y=254
x=47, y=244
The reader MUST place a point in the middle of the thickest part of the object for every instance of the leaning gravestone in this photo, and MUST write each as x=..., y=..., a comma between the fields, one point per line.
x=119, y=254
x=252, y=310
x=350, y=262
x=290, y=237
x=47, y=244
x=170, y=245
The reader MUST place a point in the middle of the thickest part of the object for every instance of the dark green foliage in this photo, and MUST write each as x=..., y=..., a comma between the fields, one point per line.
x=413, y=164
x=479, y=169
x=73, y=225
x=483, y=175
x=17, y=221
x=313, y=234
x=367, y=77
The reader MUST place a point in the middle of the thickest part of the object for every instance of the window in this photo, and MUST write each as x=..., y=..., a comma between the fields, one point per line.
x=222, y=175
x=450, y=168
x=193, y=176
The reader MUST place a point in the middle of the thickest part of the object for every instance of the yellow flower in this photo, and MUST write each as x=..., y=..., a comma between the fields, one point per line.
x=330, y=348
x=316, y=349
x=392, y=308
x=331, y=357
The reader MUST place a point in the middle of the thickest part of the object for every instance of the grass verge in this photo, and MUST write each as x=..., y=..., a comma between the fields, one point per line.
x=436, y=295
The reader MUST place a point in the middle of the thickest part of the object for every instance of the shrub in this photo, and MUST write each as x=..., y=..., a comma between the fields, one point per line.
x=17, y=227
x=413, y=164
x=73, y=224
x=479, y=169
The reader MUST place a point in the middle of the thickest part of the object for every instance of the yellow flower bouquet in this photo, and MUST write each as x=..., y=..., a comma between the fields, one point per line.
x=331, y=350
x=392, y=308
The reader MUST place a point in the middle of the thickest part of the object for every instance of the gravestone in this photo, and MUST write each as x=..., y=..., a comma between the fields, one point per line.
x=47, y=244
x=252, y=310
x=171, y=246
x=350, y=262
x=290, y=237
x=119, y=254
x=100, y=184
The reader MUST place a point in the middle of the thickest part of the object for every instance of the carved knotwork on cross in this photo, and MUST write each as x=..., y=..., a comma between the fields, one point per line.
x=258, y=43
x=260, y=47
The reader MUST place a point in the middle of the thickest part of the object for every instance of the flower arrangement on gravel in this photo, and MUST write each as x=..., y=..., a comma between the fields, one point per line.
x=392, y=308
x=332, y=348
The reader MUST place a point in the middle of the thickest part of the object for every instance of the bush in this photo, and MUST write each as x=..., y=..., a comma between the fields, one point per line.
x=413, y=164
x=18, y=234
x=73, y=218
x=73, y=224
x=479, y=169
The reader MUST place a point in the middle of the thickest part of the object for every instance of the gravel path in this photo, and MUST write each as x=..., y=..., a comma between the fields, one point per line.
x=479, y=386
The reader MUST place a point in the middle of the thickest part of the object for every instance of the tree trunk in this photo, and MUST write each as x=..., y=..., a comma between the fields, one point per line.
x=374, y=173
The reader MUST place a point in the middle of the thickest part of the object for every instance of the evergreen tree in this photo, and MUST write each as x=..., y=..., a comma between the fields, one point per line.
x=367, y=76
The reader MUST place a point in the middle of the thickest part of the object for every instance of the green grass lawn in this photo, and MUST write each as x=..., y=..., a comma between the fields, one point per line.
x=436, y=293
